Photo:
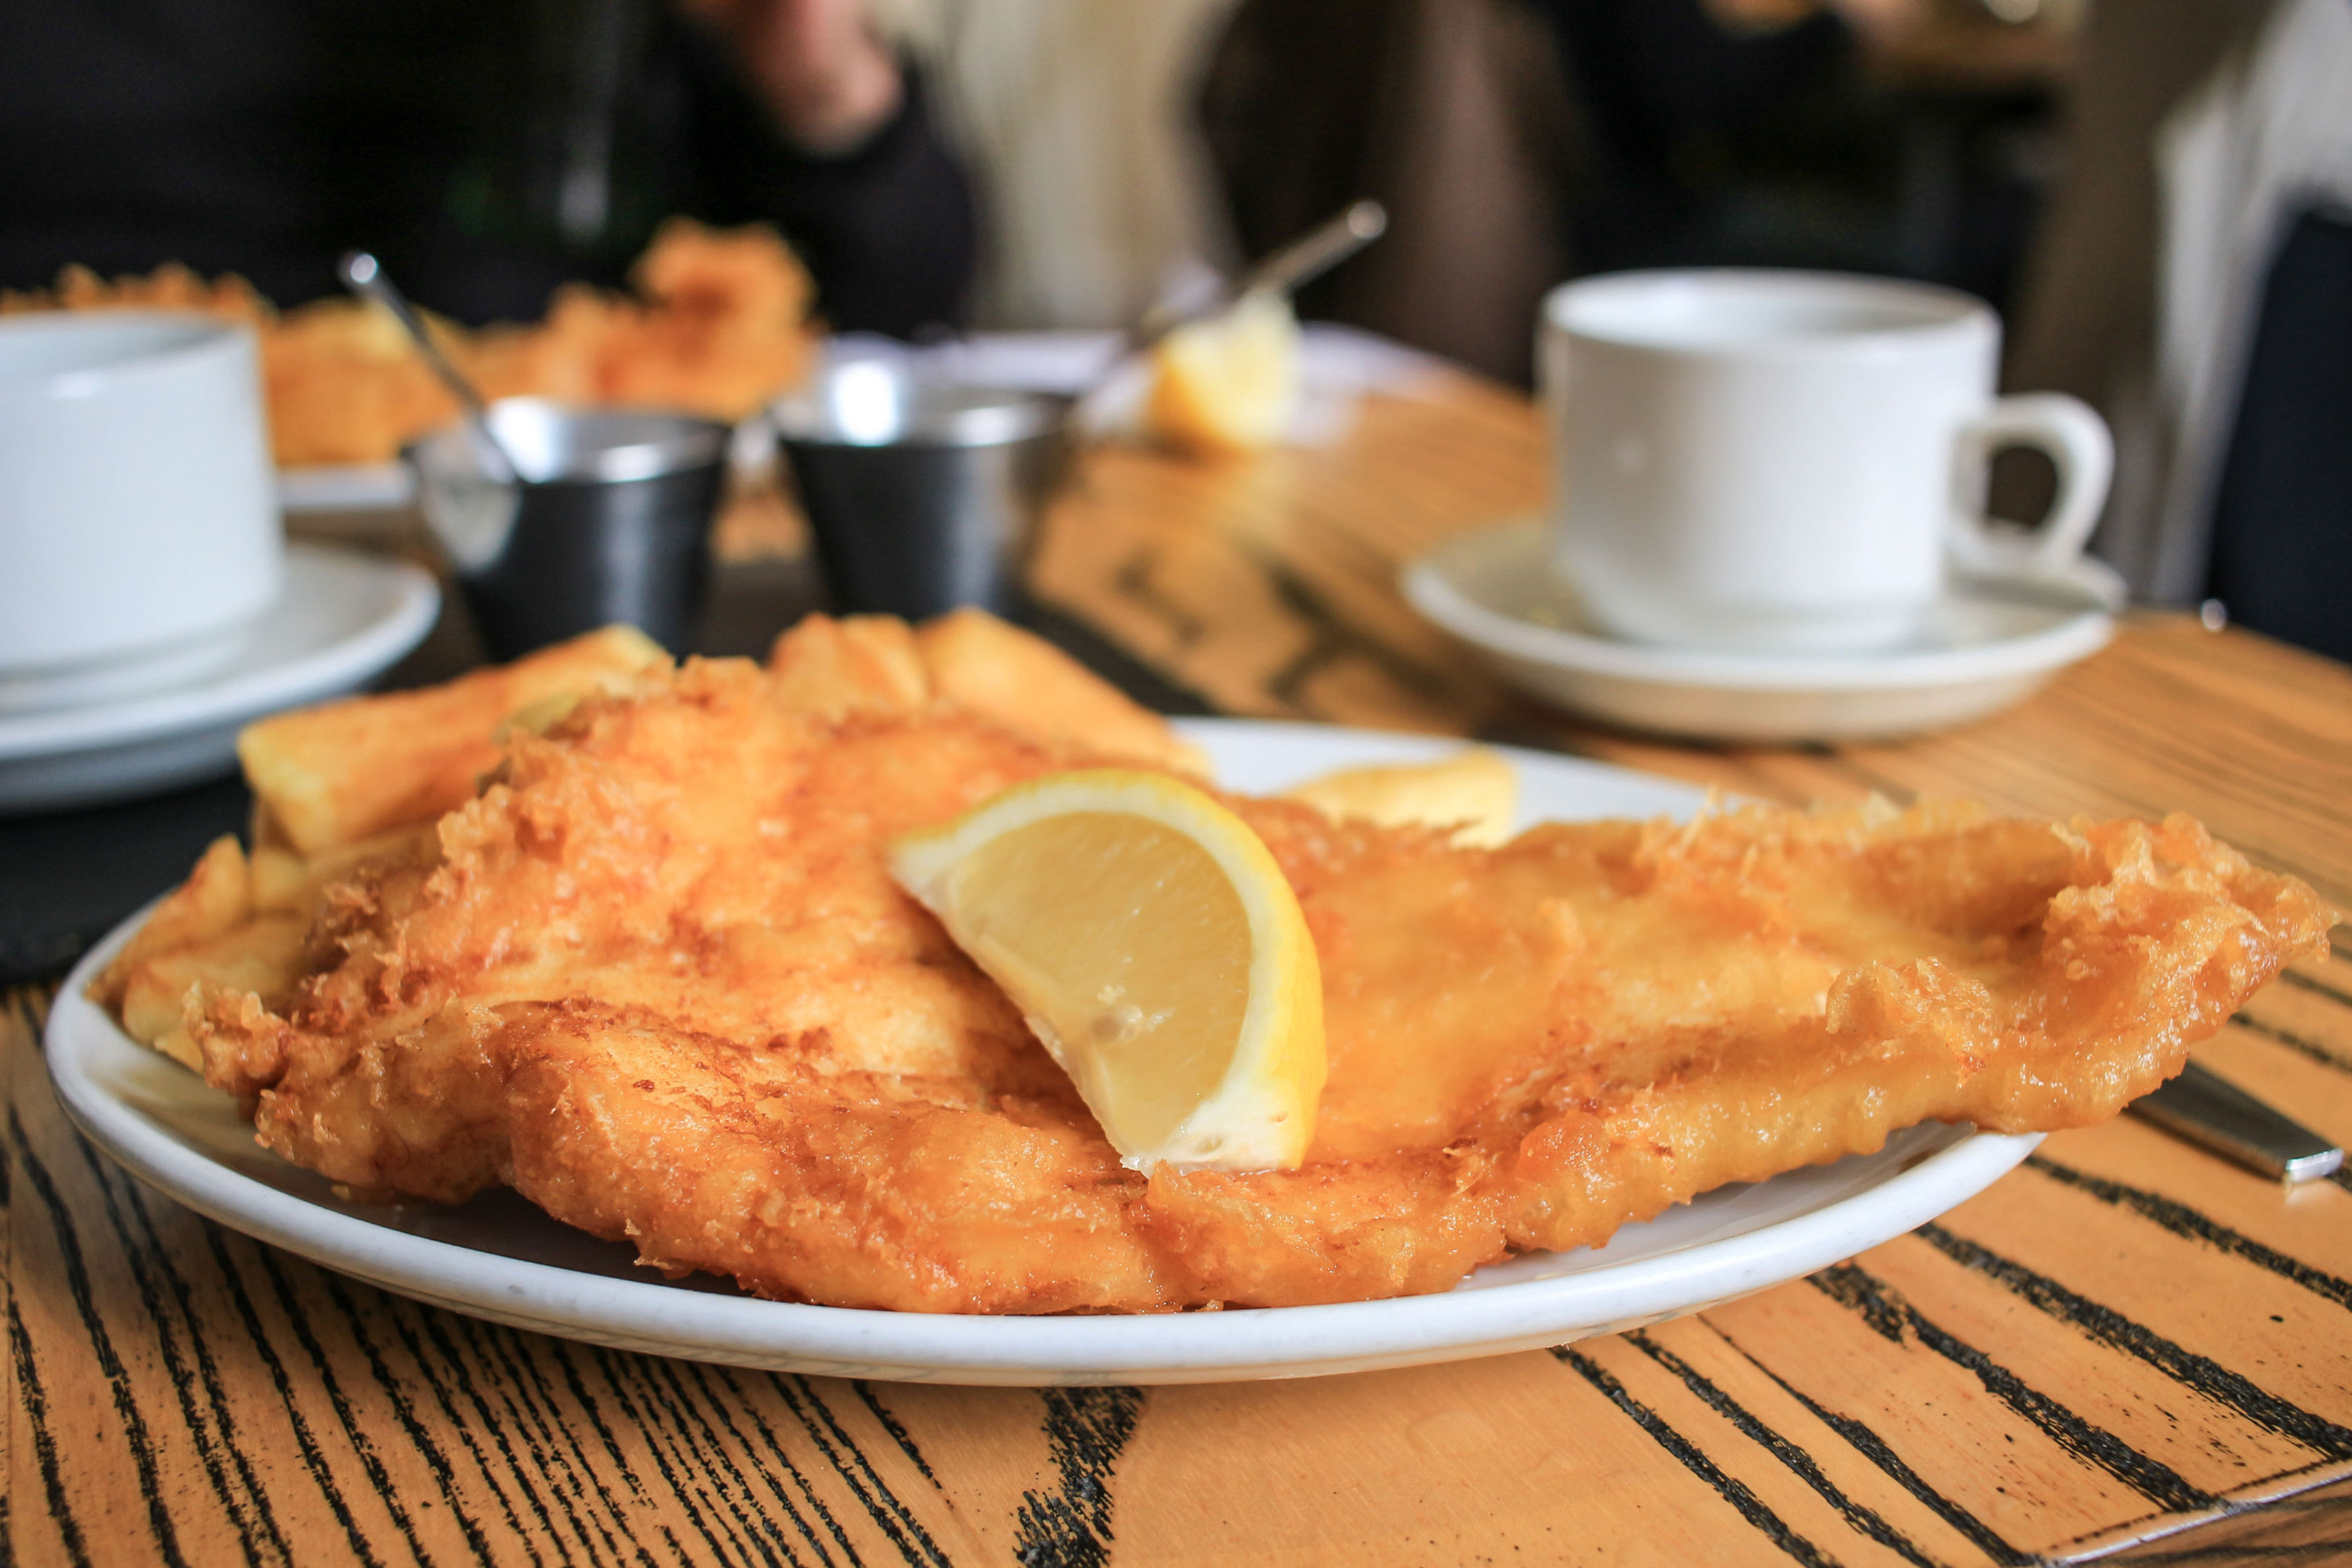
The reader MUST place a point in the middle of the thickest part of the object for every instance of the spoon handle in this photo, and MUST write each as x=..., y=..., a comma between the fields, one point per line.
x=364, y=277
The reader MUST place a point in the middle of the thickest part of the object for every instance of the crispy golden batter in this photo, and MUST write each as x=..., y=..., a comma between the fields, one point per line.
x=657, y=978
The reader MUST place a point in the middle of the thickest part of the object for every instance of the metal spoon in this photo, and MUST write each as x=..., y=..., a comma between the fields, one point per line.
x=1293, y=266
x=1300, y=262
x=364, y=277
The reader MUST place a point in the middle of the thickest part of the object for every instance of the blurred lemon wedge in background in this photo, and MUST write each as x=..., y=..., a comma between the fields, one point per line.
x=1156, y=950
x=1228, y=382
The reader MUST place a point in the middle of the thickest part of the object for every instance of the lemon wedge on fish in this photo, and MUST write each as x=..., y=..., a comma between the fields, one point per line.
x=1157, y=950
x=1229, y=384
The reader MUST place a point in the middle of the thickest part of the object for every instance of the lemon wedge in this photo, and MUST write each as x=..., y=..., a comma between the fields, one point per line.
x=1229, y=384
x=1156, y=950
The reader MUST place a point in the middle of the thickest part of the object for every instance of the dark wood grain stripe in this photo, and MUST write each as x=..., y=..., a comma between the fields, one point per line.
x=2317, y=987
x=555, y=1448
x=565, y=1355
x=1085, y=1431
x=722, y=1496
x=403, y=1411
x=1727, y=1486
x=898, y=1433
x=306, y=1442
x=298, y=1322
x=418, y=1326
x=737, y=1491
x=2196, y=1372
x=33, y=1399
x=1859, y=1436
x=619, y=1371
x=735, y=1442
x=118, y=1379
x=1882, y=1307
x=163, y=1293
x=2310, y=1051
x=890, y=1516
x=2171, y=1215
x=1865, y=1520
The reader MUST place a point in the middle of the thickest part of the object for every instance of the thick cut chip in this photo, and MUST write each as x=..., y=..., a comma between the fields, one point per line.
x=348, y=770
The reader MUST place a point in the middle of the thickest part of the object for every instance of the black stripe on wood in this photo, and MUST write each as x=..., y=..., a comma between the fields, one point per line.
x=1085, y=1431
x=737, y=1491
x=615, y=1364
x=427, y=1319
x=1729, y=1487
x=735, y=1442
x=420, y=1438
x=1884, y=1309
x=2316, y=988
x=898, y=1433
x=34, y=1401
x=2169, y=1214
x=557, y=1450
x=299, y=1321
x=721, y=1509
x=890, y=1516
x=1134, y=581
x=2110, y=1328
x=306, y=1442
x=738, y=1400
x=1866, y=1520
x=118, y=1376
x=1859, y=1437
x=565, y=1353
x=2310, y=1051
x=153, y=1276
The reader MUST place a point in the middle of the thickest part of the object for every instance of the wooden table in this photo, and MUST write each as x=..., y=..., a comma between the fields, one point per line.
x=2123, y=1337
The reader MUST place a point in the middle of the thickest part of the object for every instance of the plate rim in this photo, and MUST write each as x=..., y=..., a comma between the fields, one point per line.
x=1430, y=583
x=413, y=598
x=1234, y=1344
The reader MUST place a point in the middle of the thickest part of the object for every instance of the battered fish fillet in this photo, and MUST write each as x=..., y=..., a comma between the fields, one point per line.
x=657, y=978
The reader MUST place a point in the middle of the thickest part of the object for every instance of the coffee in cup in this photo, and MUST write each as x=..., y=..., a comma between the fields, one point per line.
x=1790, y=461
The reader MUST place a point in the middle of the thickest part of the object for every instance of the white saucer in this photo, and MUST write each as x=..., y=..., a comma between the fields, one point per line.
x=1986, y=644
x=341, y=618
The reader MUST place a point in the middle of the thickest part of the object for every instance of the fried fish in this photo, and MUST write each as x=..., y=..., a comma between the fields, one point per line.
x=656, y=976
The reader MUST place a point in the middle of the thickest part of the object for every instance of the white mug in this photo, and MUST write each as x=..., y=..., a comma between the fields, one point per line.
x=139, y=527
x=1789, y=460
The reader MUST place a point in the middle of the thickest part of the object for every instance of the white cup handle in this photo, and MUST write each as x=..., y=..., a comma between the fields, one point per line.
x=2077, y=441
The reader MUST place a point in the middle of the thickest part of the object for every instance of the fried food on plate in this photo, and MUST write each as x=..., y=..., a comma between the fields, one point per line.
x=347, y=770
x=1474, y=791
x=657, y=977
x=717, y=324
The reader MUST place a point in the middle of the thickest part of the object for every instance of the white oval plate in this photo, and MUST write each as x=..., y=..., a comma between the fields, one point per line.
x=1983, y=646
x=498, y=1257
x=341, y=618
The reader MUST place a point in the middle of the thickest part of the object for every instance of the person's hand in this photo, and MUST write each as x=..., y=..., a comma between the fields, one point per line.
x=816, y=63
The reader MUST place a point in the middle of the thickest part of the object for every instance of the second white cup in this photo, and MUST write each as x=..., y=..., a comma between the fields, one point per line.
x=1788, y=461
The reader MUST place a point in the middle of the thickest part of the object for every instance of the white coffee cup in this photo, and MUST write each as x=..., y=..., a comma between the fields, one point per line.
x=139, y=529
x=1774, y=461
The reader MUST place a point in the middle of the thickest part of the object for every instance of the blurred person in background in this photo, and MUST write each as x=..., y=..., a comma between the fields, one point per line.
x=2194, y=283
x=1520, y=143
x=486, y=150
x=1077, y=120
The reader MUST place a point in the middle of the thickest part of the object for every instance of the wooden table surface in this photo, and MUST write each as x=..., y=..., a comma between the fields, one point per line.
x=2123, y=1337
